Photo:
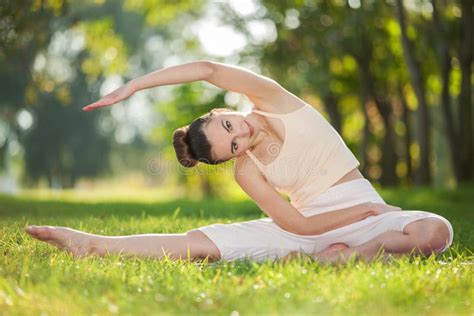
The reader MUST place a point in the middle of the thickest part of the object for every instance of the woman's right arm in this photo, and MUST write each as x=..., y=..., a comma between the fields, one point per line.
x=184, y=73
x=189, y=72
x=258, y=88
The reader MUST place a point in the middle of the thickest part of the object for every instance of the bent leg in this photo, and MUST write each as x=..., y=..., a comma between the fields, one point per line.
x=190, y=245
x=422, y=236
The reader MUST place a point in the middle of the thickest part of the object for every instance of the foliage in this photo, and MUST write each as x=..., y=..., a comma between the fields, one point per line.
x=75, y=47
x=346, y=58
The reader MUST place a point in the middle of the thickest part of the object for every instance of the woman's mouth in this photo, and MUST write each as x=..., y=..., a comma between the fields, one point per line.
x=250, y=128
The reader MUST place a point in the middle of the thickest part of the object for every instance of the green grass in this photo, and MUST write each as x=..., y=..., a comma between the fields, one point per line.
x=36, y=278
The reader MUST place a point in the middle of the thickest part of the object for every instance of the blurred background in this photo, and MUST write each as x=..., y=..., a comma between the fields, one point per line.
x=393, y=77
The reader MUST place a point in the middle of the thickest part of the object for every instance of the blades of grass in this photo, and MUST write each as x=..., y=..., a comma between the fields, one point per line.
x=176, y=213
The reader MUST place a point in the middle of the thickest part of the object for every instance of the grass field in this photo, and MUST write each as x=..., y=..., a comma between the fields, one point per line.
x=38, y=279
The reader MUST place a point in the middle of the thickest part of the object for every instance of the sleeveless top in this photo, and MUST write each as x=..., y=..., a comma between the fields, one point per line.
x=311, y=159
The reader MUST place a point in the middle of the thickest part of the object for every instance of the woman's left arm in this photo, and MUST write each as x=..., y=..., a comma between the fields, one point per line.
x=285, y=215
x=343, y=217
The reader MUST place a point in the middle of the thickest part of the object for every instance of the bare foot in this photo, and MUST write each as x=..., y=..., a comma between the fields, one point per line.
x=78, y=243
x=332, y=249
x=332, y=254
x=326, y=252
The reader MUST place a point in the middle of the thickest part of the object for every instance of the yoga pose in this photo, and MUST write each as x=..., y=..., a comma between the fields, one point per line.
x=283, y=145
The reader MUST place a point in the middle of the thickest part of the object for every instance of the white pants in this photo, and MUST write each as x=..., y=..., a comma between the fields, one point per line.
x=263, y=239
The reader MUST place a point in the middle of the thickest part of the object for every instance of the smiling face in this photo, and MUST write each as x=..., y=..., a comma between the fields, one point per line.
x=231, y=133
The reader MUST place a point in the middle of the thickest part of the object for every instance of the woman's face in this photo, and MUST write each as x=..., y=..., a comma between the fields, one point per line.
x=231, y=133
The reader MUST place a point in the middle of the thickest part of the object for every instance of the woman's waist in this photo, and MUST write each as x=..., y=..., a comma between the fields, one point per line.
x=340, y=196
x=354, y=174
x=308, y=191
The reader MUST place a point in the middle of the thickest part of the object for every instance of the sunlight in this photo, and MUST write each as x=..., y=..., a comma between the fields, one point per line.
x=243, y=7
x=262, y=31
x=217, y=39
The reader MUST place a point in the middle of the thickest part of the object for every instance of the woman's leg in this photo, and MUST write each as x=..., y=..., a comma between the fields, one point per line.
x=422, y=236
x=193, y=244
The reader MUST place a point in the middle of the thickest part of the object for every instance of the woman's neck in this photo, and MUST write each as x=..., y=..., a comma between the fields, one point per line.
x=264, y=130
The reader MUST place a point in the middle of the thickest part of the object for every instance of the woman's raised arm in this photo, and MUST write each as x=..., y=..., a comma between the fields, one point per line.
x=256, y=87
x=189, y=72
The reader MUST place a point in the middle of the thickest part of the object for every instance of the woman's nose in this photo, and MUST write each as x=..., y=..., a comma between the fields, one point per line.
x=242, y=132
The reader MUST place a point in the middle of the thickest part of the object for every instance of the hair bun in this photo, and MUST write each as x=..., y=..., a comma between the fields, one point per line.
x=182, y=148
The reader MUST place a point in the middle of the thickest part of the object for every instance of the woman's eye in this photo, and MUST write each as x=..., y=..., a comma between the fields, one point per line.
x=228, y=124
x=234, y=145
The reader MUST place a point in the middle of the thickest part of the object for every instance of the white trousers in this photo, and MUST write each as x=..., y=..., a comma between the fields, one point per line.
x=263, y=239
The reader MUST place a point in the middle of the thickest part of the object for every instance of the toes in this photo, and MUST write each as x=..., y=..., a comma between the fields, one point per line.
x=31, y=229
x=47, y=234
x=291, y=255
x=35, y=231
x=42, y=232
x=338, y=246
x=61, y=238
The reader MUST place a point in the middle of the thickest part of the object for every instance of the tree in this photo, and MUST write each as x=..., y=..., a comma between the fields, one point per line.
x=417, y=81
x=459, y=129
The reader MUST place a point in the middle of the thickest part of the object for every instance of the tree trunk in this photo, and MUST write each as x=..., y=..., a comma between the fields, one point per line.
x=389, y=157
x=330, y=103
x=445, y=67
x=365, y=138
x=407, y=139
x=465, y=97
x=423, y=135
x=364, y=99
x=3, y=160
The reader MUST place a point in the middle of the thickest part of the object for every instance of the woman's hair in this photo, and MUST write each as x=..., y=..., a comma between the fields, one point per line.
x=191, y=143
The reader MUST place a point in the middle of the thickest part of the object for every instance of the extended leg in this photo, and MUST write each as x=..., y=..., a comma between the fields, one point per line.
x=419, y=237
x=193, y=244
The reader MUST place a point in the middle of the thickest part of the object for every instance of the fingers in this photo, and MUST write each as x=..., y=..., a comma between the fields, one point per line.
x=380, y=208
x=389, y=207
x=113, y=97
x=98, y=104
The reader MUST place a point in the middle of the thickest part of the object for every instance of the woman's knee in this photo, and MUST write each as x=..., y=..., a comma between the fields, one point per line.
x=201, y=245
x=431, y=234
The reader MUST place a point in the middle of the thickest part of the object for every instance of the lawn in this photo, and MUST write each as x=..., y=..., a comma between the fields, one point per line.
x=38, y=279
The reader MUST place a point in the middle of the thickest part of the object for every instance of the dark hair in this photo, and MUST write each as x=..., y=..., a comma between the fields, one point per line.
x=191, y=143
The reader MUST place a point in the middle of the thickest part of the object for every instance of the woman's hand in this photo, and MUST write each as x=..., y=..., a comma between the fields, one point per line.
x=379, y=208
x=113, y=97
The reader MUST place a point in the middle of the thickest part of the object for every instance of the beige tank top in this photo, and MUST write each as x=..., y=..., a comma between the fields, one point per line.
x=311, y=159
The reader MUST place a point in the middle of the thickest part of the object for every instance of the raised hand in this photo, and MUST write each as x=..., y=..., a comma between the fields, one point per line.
x=113, y=97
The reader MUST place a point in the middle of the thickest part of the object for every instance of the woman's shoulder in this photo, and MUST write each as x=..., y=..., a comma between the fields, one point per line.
x=247, y=175
x=245, y=167
x=285, y=104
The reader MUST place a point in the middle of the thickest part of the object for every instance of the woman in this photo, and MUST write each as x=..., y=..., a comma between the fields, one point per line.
x=282, y=145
